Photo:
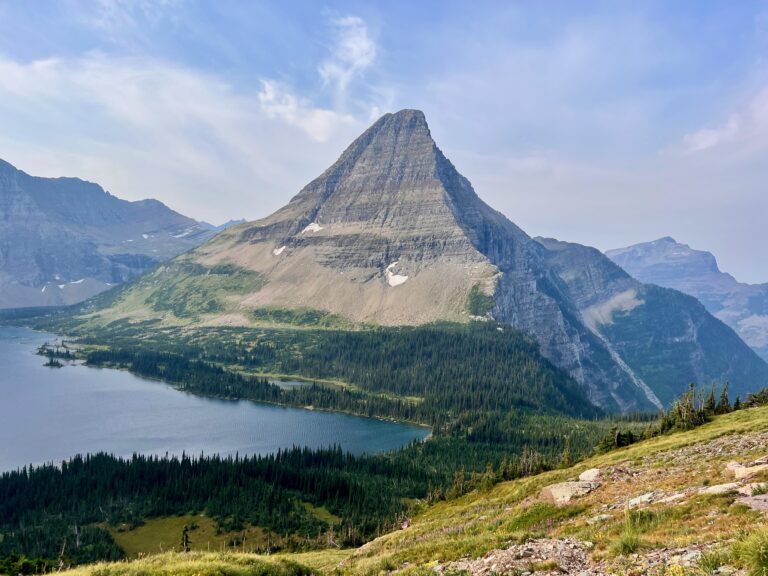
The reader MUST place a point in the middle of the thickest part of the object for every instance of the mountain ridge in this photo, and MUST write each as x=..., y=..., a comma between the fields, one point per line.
x=668, y=263
x=66, y=239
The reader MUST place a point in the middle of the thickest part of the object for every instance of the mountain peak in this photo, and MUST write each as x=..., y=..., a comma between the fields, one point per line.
x=392, y=172
x=404, y=129
x=407, y=115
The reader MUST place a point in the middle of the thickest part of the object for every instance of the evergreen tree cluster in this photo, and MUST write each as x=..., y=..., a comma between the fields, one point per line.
x=442, y=375
x=57, y=513
x=690, y=411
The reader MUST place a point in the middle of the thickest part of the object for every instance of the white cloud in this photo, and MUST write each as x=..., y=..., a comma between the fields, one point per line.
x=146, y=128
x=352, y=52
x=117, y=15
x=710, y=137
x=745, y=130
x=278, y=101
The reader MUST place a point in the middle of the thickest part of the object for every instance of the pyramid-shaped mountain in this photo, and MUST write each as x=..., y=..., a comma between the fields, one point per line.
x=392, y=234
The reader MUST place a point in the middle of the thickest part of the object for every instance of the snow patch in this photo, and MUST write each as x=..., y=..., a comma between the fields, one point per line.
x=78, y=281
x=392, y=278
x=61, y=286
x=44, y=287
x=312, y=227
x=278, y=251
x=145, y=236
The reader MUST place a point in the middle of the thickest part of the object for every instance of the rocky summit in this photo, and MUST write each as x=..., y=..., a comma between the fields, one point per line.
x=666, y=262
x=64, y=239
x=392, y=234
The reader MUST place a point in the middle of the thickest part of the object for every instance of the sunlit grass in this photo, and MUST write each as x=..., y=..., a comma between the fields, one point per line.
x=197, y=564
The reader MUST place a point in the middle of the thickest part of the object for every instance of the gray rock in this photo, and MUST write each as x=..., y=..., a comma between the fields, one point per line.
x=562, y=493
x=591, y=475
x=741, y=472
x=758, y=503
x=721, y=488
x=642, y=500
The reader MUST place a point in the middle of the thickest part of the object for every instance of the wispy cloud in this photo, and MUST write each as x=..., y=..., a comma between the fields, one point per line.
x=745, y=130
x=320, y=124
x=114, y=15
x=352, y=52
x=707, y=138
x=150, y=128
x=144, y=127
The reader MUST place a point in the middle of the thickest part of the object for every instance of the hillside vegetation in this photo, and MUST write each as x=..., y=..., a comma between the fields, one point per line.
x=668, y=505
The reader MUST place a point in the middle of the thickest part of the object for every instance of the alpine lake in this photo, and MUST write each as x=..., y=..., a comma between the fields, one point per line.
x=50, y=414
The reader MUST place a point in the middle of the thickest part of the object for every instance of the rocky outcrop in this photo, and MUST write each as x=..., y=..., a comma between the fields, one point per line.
x=744, y=307
x=64, y=239
x=741, y=472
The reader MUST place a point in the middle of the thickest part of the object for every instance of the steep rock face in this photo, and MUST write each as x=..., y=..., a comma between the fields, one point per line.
x=744, y=307
x=64, y=239
x=392, y=234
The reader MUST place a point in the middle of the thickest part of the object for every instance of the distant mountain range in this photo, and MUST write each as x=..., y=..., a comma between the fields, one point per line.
x=666, y=262
x=64, y=239
x=392, y=234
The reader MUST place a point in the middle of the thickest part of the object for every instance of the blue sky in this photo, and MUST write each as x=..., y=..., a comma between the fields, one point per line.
x=605, y=123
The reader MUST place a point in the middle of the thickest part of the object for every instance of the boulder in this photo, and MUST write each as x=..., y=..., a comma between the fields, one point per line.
x=740, y=472
x=749, y=489
x=591, y=475
x=641, y=500
x=562, y=493
x=721, y=488
x=757, y=503
x=673, y=498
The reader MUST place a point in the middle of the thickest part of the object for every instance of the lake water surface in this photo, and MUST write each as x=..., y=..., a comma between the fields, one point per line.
x=50, y=414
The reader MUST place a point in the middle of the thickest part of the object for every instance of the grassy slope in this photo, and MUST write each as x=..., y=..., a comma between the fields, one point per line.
x=478, y=523
x=218, y=564
x=164, y=534
x=509, y=512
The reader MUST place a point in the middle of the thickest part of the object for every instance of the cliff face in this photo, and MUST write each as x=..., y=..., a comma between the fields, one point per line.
x=744, y=307
x=64, y=239
x=392, y=234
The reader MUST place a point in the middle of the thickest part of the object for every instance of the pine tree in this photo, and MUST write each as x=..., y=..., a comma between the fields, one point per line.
x=710, y=405
x=724, y=405
x=565, y=458
x=185, y=539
